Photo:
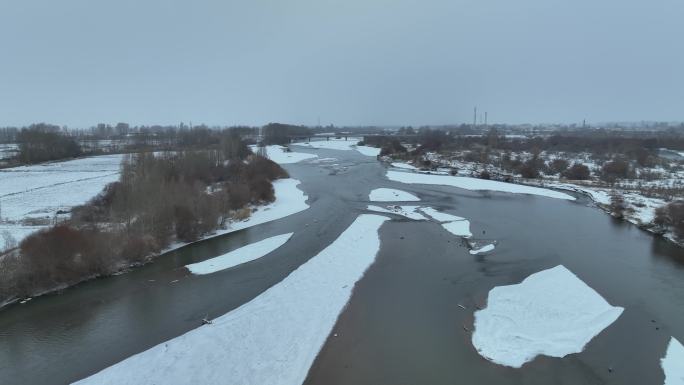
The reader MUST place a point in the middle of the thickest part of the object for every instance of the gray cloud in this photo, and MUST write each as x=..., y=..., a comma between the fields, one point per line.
x=79, y=62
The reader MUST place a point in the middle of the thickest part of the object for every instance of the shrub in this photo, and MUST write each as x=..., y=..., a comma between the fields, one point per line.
x=558, y=166
x=577, y=171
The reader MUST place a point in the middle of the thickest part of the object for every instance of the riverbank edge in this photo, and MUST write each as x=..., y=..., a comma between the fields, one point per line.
x=121, y=269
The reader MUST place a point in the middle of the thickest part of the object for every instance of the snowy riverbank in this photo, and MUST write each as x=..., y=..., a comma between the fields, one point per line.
x=274, y=338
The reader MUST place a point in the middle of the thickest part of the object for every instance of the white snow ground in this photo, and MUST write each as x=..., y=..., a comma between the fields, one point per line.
x=289, y=200
x=673, y=363
x=473, y=184
x=404, y=166
x=341, y=144
x=280, y=156
x=37, y=192
x=239, y=256
x=272, y=339
x=550, y=313
x=391, y=195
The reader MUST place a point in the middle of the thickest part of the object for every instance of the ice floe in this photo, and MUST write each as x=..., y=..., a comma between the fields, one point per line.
x=473, y=184
x=239, y=256
x=673, y=363
x=272, y=339
x=551, y=313
x=484, y=249
x=460, y=228
x=391, y=195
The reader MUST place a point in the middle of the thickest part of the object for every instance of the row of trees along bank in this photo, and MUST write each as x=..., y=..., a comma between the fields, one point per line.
x=159, y=198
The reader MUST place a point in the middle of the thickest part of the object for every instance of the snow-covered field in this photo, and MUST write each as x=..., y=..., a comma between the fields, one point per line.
x=279, y=155
x=341, y=144
x=551, y=313
x=673, y=363
x=239, y=256
x=391, y=195
x=36, y=193
x=8, y=150
x=272, y=339
x=473, y=184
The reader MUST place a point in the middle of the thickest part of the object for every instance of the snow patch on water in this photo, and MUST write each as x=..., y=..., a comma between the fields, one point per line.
x=550, y=313
x=483, y=249
x=239, y=256
x=272, y=339
x=391, y=195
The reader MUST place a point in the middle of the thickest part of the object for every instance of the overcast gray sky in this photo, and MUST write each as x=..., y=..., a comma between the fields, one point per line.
x=349, y=62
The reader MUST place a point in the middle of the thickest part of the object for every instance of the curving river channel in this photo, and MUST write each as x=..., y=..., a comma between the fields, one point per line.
x=403, y=323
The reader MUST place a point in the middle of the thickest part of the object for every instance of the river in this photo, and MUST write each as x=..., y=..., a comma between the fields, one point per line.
x=403, y=324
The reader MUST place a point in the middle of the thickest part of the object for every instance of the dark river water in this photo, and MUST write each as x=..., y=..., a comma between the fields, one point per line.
x=403, y=324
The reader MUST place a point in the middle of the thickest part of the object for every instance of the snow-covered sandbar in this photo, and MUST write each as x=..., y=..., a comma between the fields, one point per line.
x=673, y=363
x=473, y=184
x=340, y=144
x=391, y=195
x=239, y=256
x=550, y=313
x=280, y=155
x=272, y=339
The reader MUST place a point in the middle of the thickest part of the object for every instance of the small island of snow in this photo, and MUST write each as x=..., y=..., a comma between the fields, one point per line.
x=239, y=256
x=550, y=313
x=391, y=195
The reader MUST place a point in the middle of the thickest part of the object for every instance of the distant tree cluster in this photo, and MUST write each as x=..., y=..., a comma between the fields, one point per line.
x=671, y=216
x=280, y=133
x=41, y=143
